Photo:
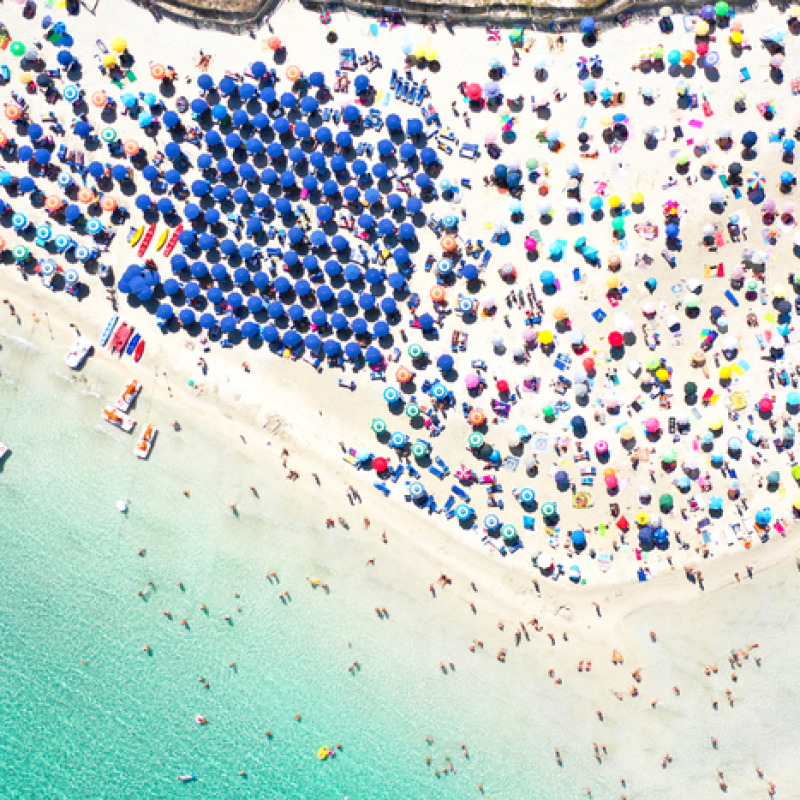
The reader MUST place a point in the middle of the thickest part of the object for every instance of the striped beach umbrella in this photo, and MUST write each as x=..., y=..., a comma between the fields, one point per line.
x=417, y=490
x=61, y=242
x=491, y=522
x=70, y=92
x=20, y=252
x=82, y=253
x=549, y=509
x=465, y=305
x=108, y=135
x=44, y=233
x=47, y=267
x=463, y=512
x=415, y=351
x=412, y=410
x=526, y=496
x=398, y=439
x=419, y=449
x=93, y=225
x=444, y=266
x=390, y=394
x=475, y=440
x=439, y=391
x=509, y=533
x=71, y=277
x=378, y=425
x=19, y=221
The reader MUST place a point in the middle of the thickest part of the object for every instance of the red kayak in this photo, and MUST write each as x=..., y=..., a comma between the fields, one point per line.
x=120, y=340
x=137, y=353
x=173, y=240
x=148, y=237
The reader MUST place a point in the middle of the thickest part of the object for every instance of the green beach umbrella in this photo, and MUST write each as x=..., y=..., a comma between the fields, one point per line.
x=618, y=224
x=658, y=53
x=549, y=509
x=752, y=285
x=415, y=351
x=20, y=252
x=548, y=412
x=796, y=472
x=669, y=455
x=690, y=388
x=509, y=533
x=475, y=440
x=108, y=135
x=653, y=364
x=17, y=49
x=693, y=301
x=532, y=163
x=419, y=449
x=378, y=425
x=665, y=503
x=722, y=9
x=412, y=410
x=682, y=158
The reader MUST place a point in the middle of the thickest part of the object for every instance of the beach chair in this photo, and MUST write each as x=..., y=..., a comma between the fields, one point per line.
x=436, y=471
x=398, y=471
x=382, y=487
x=457, y=490
x=442, y=464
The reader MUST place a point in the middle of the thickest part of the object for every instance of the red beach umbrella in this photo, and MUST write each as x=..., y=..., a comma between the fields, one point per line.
x=380, y=464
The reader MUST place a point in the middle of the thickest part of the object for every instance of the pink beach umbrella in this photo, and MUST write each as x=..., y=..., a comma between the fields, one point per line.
x=601, y=447
x=472, y=381
x=652, y=425
x=611, y=482
x=530, y=244
x=529, y=335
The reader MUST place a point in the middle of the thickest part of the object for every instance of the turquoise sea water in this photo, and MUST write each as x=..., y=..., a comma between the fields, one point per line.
x=122, y=723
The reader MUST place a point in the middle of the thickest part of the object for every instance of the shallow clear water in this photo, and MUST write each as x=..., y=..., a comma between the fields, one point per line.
x=87, y=713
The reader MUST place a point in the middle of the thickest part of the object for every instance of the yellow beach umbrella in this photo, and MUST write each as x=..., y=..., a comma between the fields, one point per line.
x=545, y=337
x=715, y=423
x=109, y=60
x=637, y=199
x=725, y=373
x=119, y=45
x=642, y=517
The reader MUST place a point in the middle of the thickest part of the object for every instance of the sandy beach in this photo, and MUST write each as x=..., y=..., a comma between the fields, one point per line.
x=567, y=648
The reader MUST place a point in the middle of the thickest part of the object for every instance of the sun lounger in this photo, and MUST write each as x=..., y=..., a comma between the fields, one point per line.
x=436, y=471
x=457, y=490
x=398, y=471
x=382, y=487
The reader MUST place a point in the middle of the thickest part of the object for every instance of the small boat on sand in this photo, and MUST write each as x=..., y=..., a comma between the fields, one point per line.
x=78, y=353
x=138, y=350
x=145, y=443
x=128, y=395
x=124, y=332
x=118, y=419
